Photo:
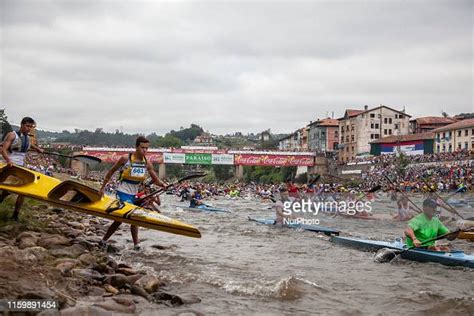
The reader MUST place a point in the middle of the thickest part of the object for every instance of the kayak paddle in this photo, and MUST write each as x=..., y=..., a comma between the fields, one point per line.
x=418, y=209
x=160, y=190
x=449, y=207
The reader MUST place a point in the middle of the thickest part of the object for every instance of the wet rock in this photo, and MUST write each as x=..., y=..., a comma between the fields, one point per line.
x=87, y=259
x=118, y=305
x=173, y=300
x=190, y=313
x=161, y=247
x=124, y=265
x=85, y=243
x=28, y=234
x=112, y=249
x=71, y=232
x=96, y=291
x=6, y=241
x=149, y=282
x=190, y=299
x=29, y=255
x=117, y=280
x=109, y=288
x=134, y=278
x=137, y=290
x=39, y=252
x=87, y=274
x=73, y=251
x=7, y=228
x=63, y=260
x=102, y=268
x=50, y=241
x=126, y=271
x=85, y=221
x=27, y=239
x=86, y=311
x=76, y=225
x=111, y=263
x=65, y=268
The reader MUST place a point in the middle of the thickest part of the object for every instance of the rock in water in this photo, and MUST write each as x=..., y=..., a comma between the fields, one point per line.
x=138, y=291
x=87, y=259
x=109, y=288
x=118, y=306
x=150, y=283
x=117, y=280
x=86, y=310
x=173, y=300
x=385, y=255
x=50, y=241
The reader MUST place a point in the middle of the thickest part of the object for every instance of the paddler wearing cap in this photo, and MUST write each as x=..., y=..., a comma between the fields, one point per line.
x=426, y=226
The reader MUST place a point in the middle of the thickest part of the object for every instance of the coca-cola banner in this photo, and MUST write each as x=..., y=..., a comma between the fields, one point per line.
x=273, y=160
x=113, y=156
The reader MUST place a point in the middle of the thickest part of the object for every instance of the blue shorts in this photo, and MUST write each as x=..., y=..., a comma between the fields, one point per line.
x=125, y=197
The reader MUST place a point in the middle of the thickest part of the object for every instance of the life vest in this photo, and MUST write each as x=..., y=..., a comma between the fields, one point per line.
x=21, y=143
x=133, y=171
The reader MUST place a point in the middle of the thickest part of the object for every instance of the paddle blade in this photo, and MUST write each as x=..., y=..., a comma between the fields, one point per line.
x=316, y=178
x=385, y=255
x=192, y=176
x=89, y=160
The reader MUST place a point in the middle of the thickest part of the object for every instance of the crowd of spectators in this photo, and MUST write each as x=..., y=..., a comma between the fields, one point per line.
x=436, y=157
x=447, y=176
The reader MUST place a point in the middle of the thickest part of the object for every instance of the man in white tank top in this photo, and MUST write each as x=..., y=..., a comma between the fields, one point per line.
x=15, y=147
x=133, y=168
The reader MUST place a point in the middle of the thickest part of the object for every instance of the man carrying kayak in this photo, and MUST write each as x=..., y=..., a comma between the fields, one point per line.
x=15, y=148
x=425, y=226
x=133, y=172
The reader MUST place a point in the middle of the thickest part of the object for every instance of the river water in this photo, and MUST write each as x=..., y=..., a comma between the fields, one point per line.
x=241, y=267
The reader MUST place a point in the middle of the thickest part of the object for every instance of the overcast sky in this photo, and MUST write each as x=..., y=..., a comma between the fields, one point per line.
x=236, y=66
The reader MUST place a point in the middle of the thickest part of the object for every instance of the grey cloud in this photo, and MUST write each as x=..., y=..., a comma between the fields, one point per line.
x=230, y=66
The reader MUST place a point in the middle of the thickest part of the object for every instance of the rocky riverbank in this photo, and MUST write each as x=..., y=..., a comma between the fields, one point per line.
x=53, y=254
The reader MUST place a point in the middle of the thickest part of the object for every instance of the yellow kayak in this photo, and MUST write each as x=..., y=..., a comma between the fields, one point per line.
x=466, y=235
x=79, y=197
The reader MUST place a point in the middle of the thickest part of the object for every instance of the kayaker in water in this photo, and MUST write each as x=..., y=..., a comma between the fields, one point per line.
x=403, y=206
x=292, y=189
x=14, y=150
x=196, y=198
x=280, y=208
x=465, y=224
x=133, y=172
x=426, y=226
x=153, y=203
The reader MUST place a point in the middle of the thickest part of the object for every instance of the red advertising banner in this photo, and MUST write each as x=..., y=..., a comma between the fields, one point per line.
x=113, y=156
x=273, y=160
